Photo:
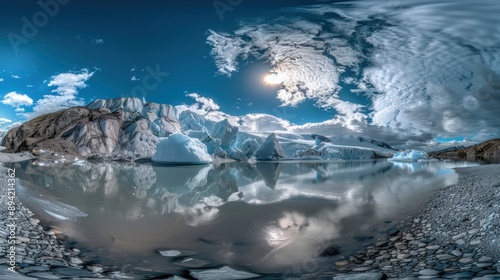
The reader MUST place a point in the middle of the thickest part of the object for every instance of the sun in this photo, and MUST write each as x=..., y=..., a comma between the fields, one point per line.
x=274, y=78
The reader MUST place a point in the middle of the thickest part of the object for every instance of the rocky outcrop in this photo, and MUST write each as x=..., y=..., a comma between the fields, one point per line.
x=119, y=129
x=490, y=148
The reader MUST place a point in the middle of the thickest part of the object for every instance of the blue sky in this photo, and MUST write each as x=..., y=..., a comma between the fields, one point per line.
x=408, y=74
x=111, y=41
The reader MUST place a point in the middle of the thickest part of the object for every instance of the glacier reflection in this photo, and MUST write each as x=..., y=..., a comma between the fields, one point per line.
x=267, y=216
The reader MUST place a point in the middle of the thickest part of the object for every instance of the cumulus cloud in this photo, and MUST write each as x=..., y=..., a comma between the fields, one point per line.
x=17, y=100
x=204, y=104
x=263, y=122
x=65, y=93
x=4, y=120
x=424, y=73
x=15, y=77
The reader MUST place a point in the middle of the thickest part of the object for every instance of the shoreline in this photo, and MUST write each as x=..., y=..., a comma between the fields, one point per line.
x=453, y=235
x=38, y=251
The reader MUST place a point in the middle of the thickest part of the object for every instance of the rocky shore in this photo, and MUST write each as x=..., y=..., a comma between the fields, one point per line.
x=38, y=253
x=456, y=236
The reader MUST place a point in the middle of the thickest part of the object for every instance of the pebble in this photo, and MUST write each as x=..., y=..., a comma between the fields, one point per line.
x=456, y=253
x=428, y=272
x=485, y=259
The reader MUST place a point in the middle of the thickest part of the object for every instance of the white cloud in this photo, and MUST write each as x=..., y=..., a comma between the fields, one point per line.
x=423, y=73
x=66, y=91
x=264, y=122
x=204, y=103
x=17, y=100
x=15, y=77
x=1, y=79
x=4, y=120
x=69, y=83
x=134, y=78
x=97, y=41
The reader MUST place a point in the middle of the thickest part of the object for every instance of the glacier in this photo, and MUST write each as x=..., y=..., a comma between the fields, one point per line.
x=223, y=137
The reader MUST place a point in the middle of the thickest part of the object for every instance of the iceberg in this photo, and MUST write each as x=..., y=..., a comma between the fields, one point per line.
x=212, y=143
x=410, y=155
x=181, y=149
x=249, y=147
x=225, y=132
x=270, y=149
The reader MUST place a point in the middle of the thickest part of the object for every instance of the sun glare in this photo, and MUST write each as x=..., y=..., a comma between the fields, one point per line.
x=274, y=78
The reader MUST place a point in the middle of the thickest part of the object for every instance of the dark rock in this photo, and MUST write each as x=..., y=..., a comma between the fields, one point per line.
x=329, y=251
x=361, y=276
x=71, y=272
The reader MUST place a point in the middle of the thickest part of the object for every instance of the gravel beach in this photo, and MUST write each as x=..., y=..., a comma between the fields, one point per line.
x=455, y=236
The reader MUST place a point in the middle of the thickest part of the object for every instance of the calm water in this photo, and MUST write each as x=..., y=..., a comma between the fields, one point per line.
x=265, y=218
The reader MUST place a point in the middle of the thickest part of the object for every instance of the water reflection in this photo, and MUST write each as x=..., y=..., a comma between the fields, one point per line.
x=265, y=217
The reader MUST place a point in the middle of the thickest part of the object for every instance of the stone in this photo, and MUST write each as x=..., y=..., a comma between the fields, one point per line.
x=459, y=236
x=482, y=265
x=460, y=242
x=444, y=257
x=341, y=263
x=22, y=239
x=432, y=247
x=381, y=243
x=400, y=246
x=43, y=275
x=485, y=259
x=456, y=253
x=475, y=242
x=428, y=272
x=466, y=260
x=361, y=276
x=75, y=260
x=460, y=275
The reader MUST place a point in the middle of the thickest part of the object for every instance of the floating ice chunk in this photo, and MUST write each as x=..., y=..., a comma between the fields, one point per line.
x=170, y=253
x=410, y=155
x=223, y=273
x=181, y=149
x=59, y=210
